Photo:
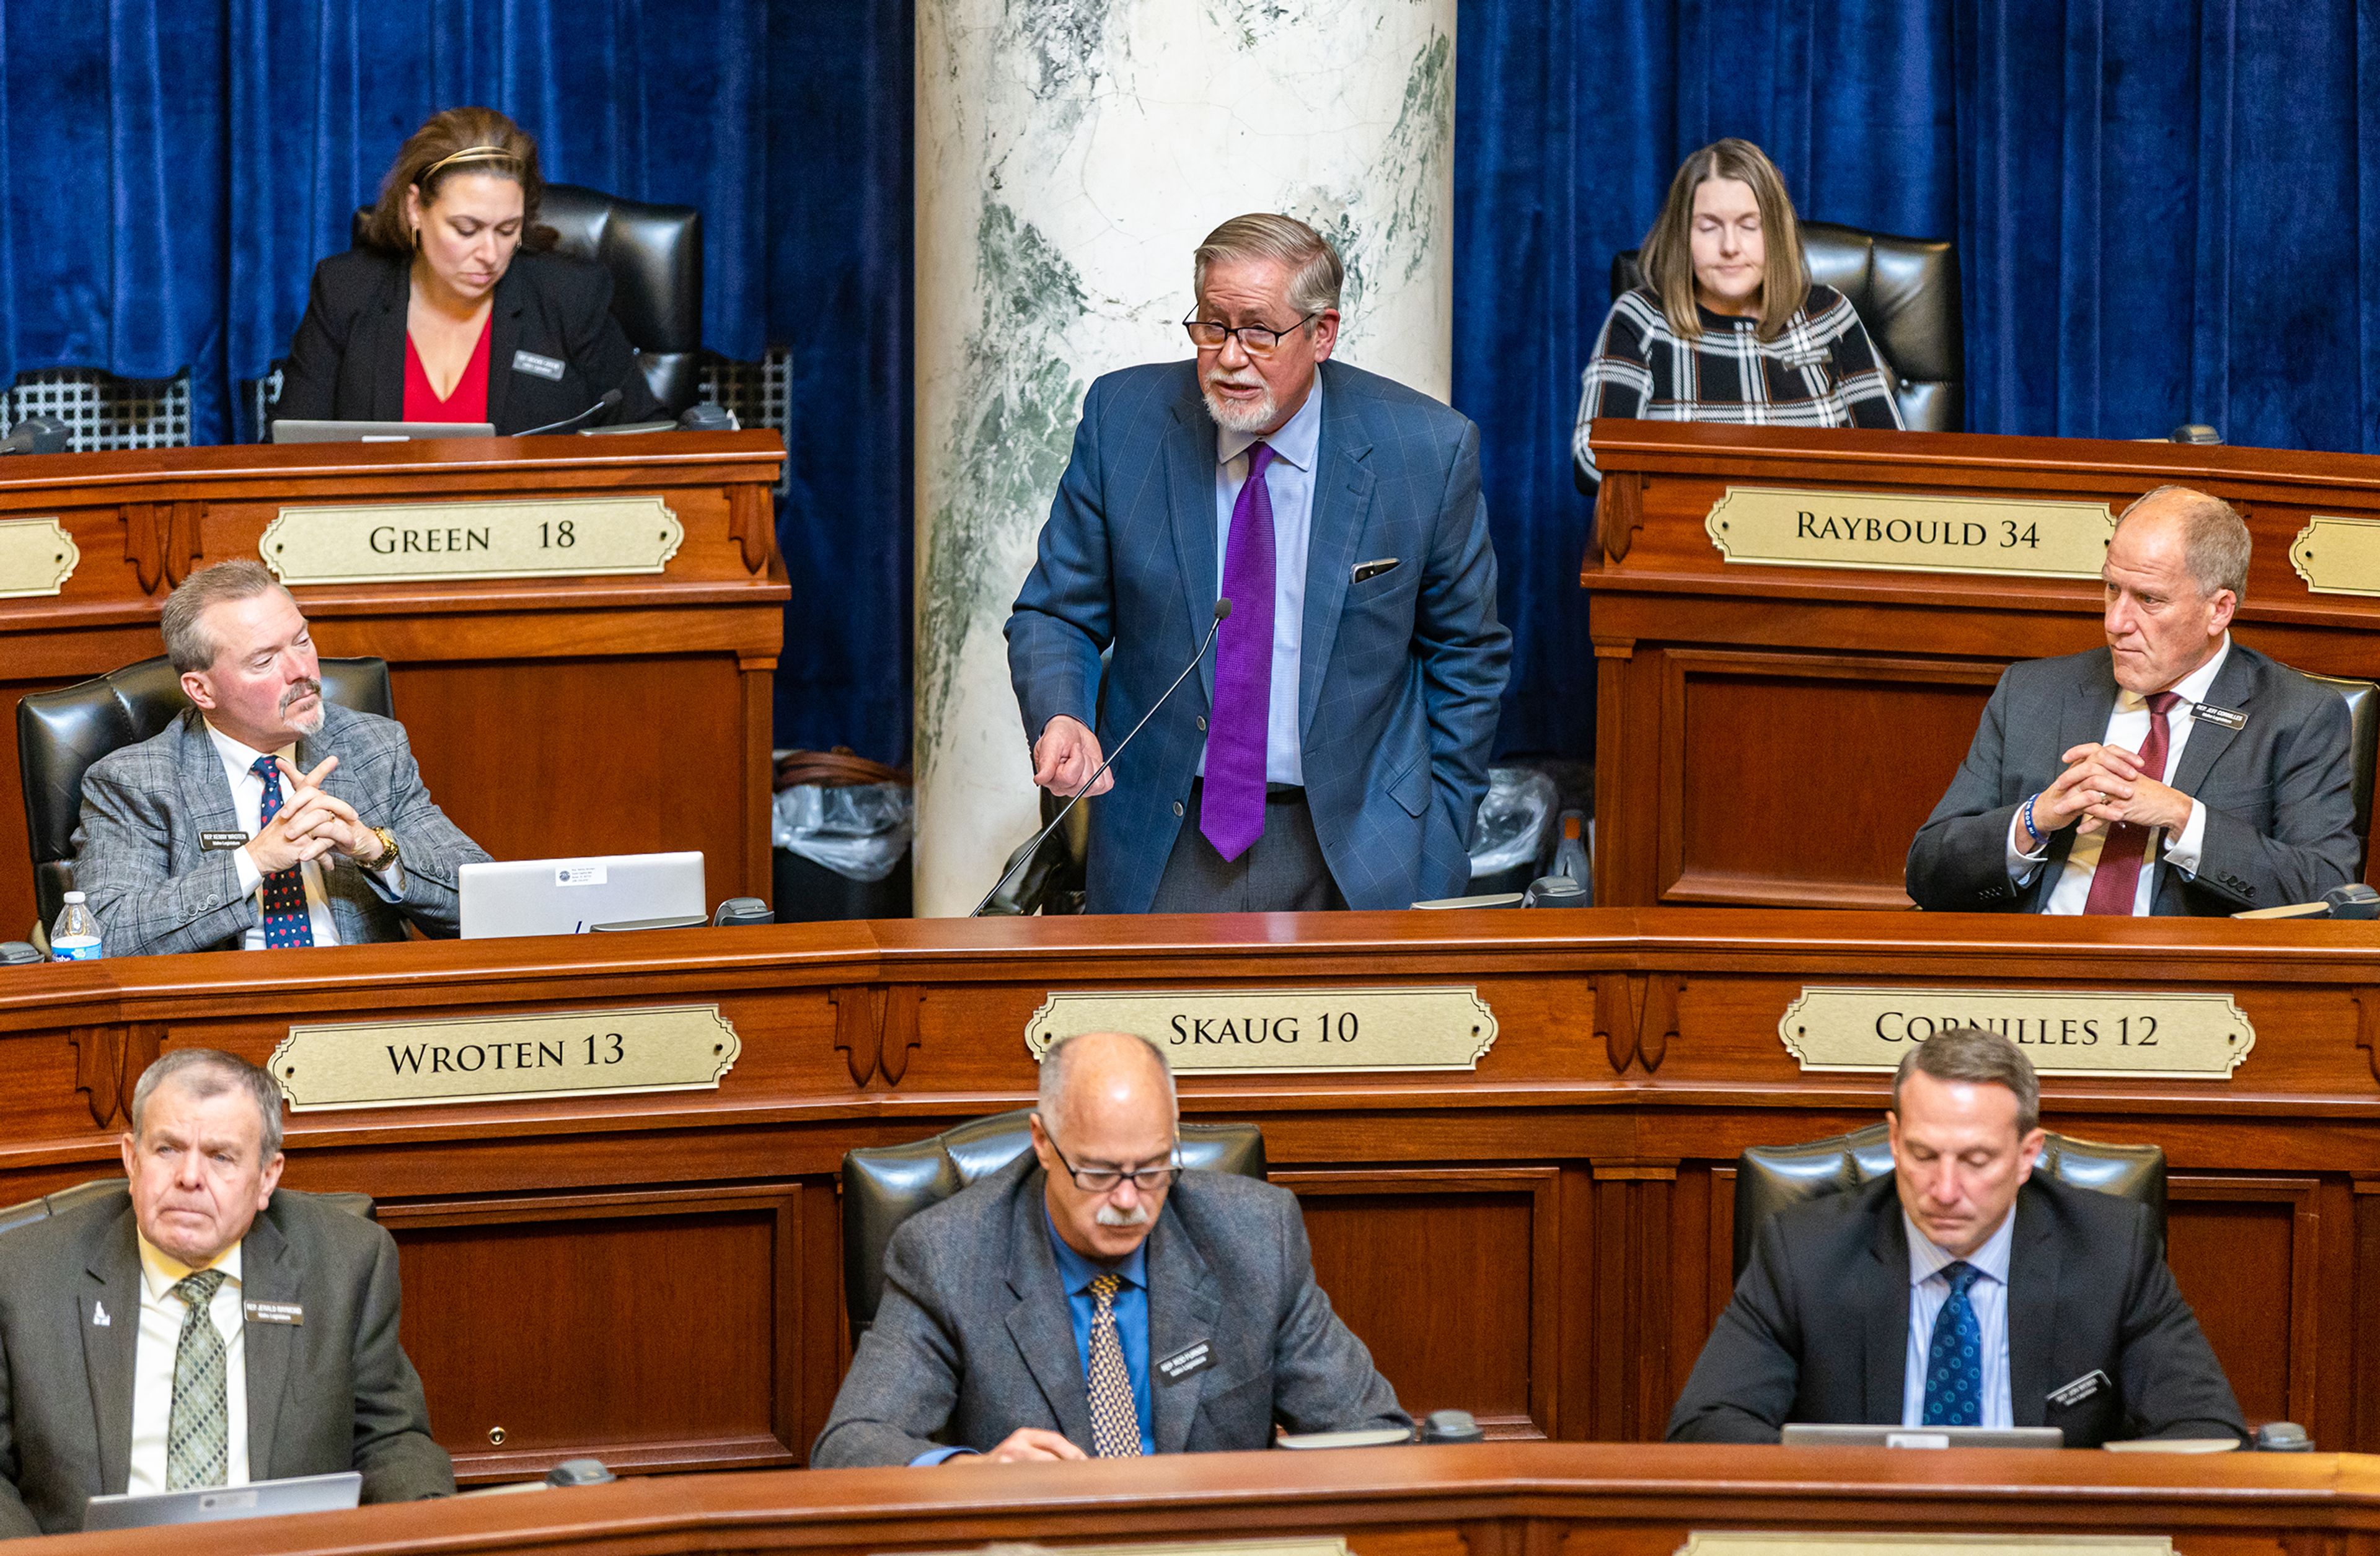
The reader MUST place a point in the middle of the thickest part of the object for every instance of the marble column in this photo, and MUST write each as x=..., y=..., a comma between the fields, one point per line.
x=1070, y=155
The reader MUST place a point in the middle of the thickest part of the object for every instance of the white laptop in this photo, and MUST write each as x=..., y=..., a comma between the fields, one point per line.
x=206, y=1504
x=577, y=896
x=296, y=430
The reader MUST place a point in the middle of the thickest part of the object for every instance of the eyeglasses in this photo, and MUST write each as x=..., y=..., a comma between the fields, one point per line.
x=1102, y=1180
x=1257, y=340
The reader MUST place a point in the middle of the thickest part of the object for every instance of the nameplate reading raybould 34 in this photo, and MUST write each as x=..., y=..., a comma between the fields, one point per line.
x=2170, y=1037
x=2337, y=555
x=1310, y=1029
x=37, y=556
x=570, y=1054
x=420, y=543
x=2017, y=537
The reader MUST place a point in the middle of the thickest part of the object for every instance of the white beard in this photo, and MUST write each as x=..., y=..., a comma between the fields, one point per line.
x=1234, y=415
x=311, y=722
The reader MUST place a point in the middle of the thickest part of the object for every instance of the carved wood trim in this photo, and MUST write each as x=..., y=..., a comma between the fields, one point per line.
x=181, y=531
x=1618, y=998
x=2367, y=1026
x=899, y=1034
x=1660, y=1024
x=143, y=546
x=1620, y=512
x=750, y=518
x=108, y=1061
x=858, y=1030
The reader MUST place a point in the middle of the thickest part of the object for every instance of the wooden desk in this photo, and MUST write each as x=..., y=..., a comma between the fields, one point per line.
x=543, y=711
x=1502, y=1500
x=1544, y=1241
x=1775, y=735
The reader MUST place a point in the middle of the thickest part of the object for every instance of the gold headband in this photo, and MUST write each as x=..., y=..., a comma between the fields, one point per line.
x=474, y=153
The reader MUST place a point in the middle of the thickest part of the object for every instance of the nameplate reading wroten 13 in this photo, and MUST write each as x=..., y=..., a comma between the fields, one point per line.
x=1440, y=1028
x=2174, y=1037
x=37, y=556
x=1779, y=526
x=2338, y=556
x=419, y=542
x=572, y=1053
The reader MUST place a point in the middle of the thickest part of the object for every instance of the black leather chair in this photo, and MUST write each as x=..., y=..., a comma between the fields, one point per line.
x=884, y=1185
x=60, y=734
x=2363, y=740
x=1907, y=293
x=1769, y=1178
x=66, y=1199
x=654, y=253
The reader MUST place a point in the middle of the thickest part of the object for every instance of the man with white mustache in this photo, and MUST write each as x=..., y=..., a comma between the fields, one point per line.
x=1094, y=1299
x=1334, y=748
x=264, y=816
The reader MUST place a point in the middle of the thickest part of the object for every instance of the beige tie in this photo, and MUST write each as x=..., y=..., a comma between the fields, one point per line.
x=1115, y=1424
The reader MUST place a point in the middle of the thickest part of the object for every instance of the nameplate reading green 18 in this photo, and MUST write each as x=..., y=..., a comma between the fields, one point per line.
x=2174, y=1037
x=2017, y=537
x=420, y=543
x=570, y=1054
x=37, y=556
x=1283, y=1030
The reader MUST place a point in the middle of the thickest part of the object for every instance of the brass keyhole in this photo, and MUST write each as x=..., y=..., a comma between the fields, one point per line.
x=496, y=1437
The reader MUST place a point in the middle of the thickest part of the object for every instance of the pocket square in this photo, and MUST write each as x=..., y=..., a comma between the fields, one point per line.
x=1372, y=568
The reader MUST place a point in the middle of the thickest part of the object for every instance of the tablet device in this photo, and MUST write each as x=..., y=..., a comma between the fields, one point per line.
x=206, y=1504
x=1808, y=1434
x=575, y=897
x=378, y=432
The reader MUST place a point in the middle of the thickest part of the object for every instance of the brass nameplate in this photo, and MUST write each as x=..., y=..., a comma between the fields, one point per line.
x=2019, y=537
x=1753, y=1542
x=423, y=542
x=1309, y=1029
x=570, y=1054
x=1312, y=1545
x=37, y=556
x=2338, y=556
x=2064, y=1032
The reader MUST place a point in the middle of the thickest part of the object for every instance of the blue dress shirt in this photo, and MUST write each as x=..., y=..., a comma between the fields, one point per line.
x=1290, y=480
x=1929, y=1289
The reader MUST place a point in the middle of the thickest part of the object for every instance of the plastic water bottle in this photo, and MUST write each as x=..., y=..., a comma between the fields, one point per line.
x=75, y=936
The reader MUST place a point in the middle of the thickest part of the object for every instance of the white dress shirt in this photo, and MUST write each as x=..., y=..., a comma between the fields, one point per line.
x=1987, y=1294
x=152, y=1365
x=2127, y=726
x=247, y=802
x=1289, y=481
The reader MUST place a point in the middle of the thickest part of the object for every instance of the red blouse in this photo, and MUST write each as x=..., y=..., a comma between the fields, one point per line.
x=470, y=400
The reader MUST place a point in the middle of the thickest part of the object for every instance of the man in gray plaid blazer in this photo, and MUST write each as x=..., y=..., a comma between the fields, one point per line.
x=264, y=816
x=1353, y=691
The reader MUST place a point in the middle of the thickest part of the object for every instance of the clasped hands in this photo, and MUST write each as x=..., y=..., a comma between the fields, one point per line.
x=311, y=823
x=2103, y=785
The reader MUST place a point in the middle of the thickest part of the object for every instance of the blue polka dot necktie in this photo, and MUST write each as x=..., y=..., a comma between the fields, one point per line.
x=1954, y=1360
x=285, y=922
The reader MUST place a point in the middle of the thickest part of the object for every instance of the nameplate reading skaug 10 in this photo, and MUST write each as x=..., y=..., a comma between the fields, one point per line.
x=571, y=1053
x=2177, y=1037
x=37, y=556
x=1434, y=1028
x=2017, y=537
x=421, y=543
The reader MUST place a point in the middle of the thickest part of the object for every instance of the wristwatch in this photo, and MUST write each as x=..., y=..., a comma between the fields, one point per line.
x=388, y=841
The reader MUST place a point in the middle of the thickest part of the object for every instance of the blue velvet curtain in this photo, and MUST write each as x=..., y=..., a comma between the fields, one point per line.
x=2158, y=206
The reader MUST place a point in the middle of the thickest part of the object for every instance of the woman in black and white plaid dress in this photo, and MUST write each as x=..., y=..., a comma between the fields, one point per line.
x=1728, y=325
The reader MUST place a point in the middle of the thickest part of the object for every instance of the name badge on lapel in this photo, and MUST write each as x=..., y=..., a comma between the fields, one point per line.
x=211, y=841
x=2230, y=718
x=2083, y=1388
x=1187, y=1363
x=275, y=1312
x=544, y=367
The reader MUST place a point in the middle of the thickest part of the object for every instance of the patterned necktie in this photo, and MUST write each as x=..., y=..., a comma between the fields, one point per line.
x=285, y=920
x=1232, y=812
x=1115, y=1423
x=2114, y=883
x=199, y=1430
x=1954, y=1359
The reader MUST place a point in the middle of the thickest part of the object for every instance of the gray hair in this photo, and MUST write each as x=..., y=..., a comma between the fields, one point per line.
x=210, y=1072
x=2214, y=544
x=1315, y=274
x=1057, y=1065
x=1980, y=1057
x=188, y=643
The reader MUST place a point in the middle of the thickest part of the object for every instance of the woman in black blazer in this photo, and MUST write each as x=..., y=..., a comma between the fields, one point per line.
x=454, y=311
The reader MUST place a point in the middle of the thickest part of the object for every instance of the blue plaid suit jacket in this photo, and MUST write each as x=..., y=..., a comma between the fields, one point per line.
x=1402, y=674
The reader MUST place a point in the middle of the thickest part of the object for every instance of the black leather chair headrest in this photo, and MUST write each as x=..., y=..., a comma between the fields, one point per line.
x=2363, y=740
x=66, y=1199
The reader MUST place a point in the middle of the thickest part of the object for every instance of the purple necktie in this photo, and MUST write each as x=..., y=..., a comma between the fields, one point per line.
x=1231, y=813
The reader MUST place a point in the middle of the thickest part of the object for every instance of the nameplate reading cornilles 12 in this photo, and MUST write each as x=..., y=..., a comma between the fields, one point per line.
x=2018, y=537
x=572, y=1053
x=419, y=542
x=2179, y=1037
x=1428, y=1029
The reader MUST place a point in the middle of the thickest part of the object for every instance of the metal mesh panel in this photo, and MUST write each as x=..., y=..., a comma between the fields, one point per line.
x=760, y=393
x=102, y=411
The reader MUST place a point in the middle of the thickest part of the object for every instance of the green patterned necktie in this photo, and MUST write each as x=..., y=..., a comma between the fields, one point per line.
x=198, y=1433
x=1115, y=1422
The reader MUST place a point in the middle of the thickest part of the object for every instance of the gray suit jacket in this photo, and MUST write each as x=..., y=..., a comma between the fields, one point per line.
x=137, y=858
x=2280, y=810
x=974, y=1338
x=332, y=1394
x=1400, y=677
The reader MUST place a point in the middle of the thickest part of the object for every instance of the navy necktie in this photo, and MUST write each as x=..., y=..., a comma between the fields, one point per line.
x=285, y=918
x=1954, y=1360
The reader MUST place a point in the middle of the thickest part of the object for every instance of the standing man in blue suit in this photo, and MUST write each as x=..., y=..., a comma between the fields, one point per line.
x=1336, y=750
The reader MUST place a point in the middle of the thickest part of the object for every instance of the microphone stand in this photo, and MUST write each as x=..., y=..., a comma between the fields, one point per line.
x=1222, y=610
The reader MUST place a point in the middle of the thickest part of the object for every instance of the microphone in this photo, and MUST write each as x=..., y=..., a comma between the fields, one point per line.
x=611, y=397
x=36, y=434
x=1222, y=611
x=2354, y=900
